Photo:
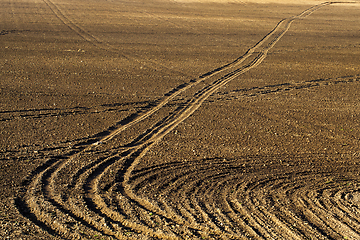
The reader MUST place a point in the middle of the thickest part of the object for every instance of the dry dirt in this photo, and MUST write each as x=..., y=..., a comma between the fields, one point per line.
x=199, y=119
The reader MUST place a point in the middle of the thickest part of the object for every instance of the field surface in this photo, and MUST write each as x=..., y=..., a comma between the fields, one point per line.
x=183, y=119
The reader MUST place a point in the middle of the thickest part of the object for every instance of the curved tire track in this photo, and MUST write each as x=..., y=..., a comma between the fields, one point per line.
x=87, y=36
x=97, y=191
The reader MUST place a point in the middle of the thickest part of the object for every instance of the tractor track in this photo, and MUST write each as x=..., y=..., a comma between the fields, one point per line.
x=96, y=190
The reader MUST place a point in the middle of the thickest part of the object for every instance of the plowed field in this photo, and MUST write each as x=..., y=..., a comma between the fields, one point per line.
x=179, y=119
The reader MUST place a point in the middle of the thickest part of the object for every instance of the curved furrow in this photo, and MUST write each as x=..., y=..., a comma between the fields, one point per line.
x=235, y=211
x=292, y=213
x=220, y=210
x=347, y=207
x=322, y=219
x=270, y=228
x=254, y=196
x=46, y=210
x=140, y=209
x=293, y=188
x=104, y=191
x=207, y=213
x=284, y=218
x=259, y=201
x=163, y=130
x=341, y=214
x=287, y=212
x=177, y=190
x=331, y=214
x=210, y=217
x=94, y=201
x=180, y=188
x=298, y=203
x=81, y=205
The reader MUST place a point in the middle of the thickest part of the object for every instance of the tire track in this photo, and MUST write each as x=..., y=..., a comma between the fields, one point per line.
x=81, y=32
x=101, y=190
x=100, y=43
x=5, y=32
x=283, y=87
x=255, y=199
x=74, y=111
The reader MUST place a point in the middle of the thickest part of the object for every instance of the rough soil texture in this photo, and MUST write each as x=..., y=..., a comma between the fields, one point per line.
x=179, y=119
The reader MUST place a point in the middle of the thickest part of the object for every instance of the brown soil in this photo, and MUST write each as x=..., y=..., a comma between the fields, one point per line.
x=179, y=119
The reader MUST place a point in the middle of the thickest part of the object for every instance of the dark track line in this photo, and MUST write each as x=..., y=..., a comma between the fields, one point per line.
x=42, y=182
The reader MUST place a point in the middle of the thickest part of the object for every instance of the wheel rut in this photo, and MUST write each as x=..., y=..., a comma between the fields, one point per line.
x=97, y=190
x=91, y=38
